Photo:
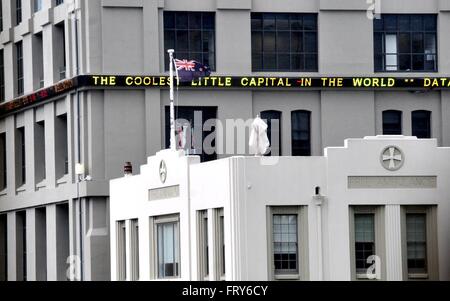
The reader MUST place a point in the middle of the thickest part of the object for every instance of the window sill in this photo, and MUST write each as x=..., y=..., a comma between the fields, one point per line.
x=21, y=189
x=63, y=180
x=287, y=277
x=417, y=276
x=41, y=184
x=4, y=192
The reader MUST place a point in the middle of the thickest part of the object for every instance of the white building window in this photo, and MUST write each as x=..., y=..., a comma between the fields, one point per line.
x=121, y=250
x=420, y=242
x=203, y=248
x=367, y=228
x=221, y=242
x=287, y=231
x=166, y=231
x=134, y=249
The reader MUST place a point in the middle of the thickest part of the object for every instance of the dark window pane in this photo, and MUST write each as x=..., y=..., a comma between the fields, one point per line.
x=283, y=41
x=310, y=42
x=310, y=62
x=416, y=22
x=418, y=62
x=390, y=23
x=296, y=22
x=403, y=23
x=282, y=21
x=195, y=40
x=257, y=41
x=404, y=43
x=392, y=123
x=378, y=62
x=309, y=22
x=301, y=132
x=296, y=41
x=169, y=20
x=195, y=21
x=208, y=21
x=169, y=39
x=182, y=40
x=429, y=23
x=421, y=124
x=269, y=61
x=405, y=62
x=268, y=22
x=181, y=20
x=430, y=43
x=378, y=43
x=208, y=41
x=378, y=24
x=284, y=62
x=256, y=21
x=297, y=61
x=430, y=62
x=269, y=41
x=273, y=120
x=417, y=43
x=256, y=62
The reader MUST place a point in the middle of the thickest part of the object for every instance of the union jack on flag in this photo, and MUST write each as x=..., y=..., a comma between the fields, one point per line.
x=189, y=70
x=185, y=65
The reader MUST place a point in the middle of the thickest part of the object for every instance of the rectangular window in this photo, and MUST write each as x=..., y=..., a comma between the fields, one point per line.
x=39, y=151
x=392, y=122
x=20, y=156
x=19, y=66
x=134, y=237
x=18, y=12
x=273, y=120
x=421, y=124
x=167, y=234
x=193, y=123
x=60, y=40
x=191, y=35
x=2, y=76
x=62, y=154
x=285, y=243
x=405, y=43
x=301, y=133
x=21, y=245
x=3, y=162
x=284, y=42
x=221, y=241
x=3, y=248
x=416, y=242
x=38, y=58
x=121, y=244
x=203, y=248
x=364, y=240
x=37, y=5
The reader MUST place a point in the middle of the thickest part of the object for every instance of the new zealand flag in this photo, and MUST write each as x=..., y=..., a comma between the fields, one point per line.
x=190, y=70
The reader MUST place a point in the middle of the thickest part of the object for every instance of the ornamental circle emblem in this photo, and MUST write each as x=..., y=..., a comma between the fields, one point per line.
x=392, y=158
x=162, y=171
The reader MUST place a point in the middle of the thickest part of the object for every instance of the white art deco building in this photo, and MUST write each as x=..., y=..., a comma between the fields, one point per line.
x=373, y=209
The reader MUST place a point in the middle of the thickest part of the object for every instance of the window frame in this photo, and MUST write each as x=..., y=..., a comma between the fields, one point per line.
x=220, y=243
x=429, y=120
x=134, y=249
x=411, y=54
x=379, y=228
x=154, y=263
x=121, y=250
x=431, y=240
x=383, y=123
x=309, y=114
x=269, y=129
x=190, y=52
x=302, y=242
x=276, y=32
x=203, y=245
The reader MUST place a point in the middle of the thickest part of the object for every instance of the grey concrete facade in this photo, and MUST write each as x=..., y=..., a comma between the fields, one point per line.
x=119, y=125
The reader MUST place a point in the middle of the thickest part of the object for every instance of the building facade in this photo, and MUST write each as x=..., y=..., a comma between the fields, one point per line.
x=371, y=210
x=61, y=104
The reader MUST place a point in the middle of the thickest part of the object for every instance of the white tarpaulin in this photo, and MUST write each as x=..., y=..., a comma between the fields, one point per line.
x=259, y=143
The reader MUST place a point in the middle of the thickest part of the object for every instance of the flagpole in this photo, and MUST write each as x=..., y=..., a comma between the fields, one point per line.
x=172, y=108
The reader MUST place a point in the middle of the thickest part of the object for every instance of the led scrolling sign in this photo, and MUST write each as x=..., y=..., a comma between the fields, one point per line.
x=226, y=82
